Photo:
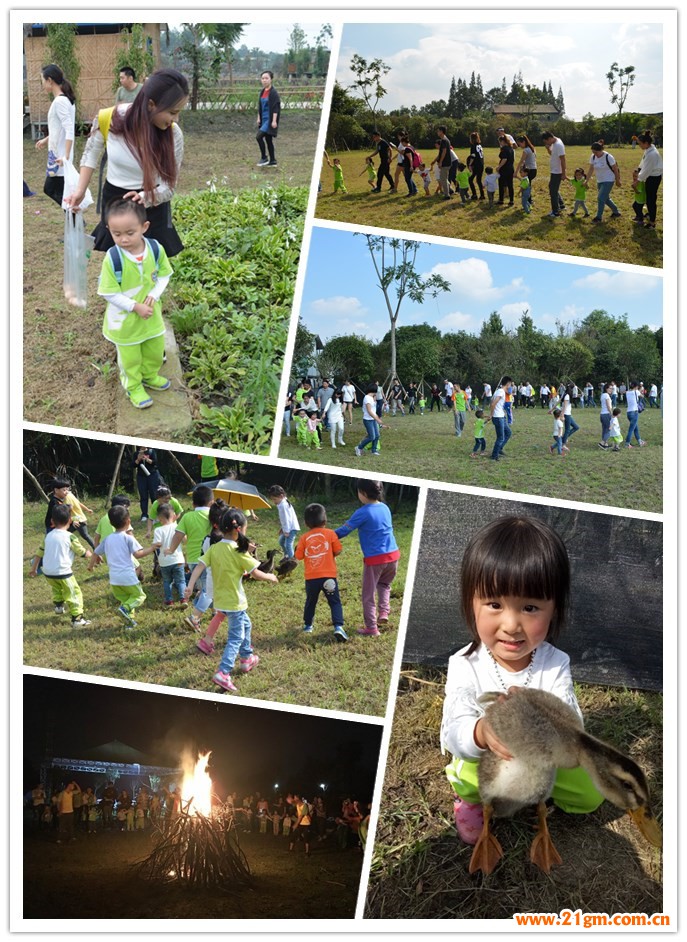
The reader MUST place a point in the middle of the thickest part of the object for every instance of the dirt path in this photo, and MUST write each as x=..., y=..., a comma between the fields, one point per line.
x=69, y=368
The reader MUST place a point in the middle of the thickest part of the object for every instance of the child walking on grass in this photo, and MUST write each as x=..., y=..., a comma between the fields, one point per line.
x=479, y=448
x=558, y=427
x=119, y=548
x=491, y=182
x=230, y=561
x=369, y=169
x=515, y=580
x=288, y=520
x=380, y=553
x=581, y=184
x=318, y=548
x=193, y=527
x=615, y=435
x=134, y=274
x=172, y=568
x=639, y=193
x=204, y=598
x=56, y=553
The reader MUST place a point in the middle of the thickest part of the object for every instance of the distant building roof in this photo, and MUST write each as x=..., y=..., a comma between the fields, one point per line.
x=524, y=109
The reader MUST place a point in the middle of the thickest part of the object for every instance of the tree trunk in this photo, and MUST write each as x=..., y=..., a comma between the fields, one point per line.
x=182, y=468
x=115, y=476
x=35, y=483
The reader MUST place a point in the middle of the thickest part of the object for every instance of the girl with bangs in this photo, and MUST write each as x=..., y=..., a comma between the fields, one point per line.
x=515, y=585
x=144, y=146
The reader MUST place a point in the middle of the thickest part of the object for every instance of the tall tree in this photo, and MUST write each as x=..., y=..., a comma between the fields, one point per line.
x=298, y=53
x=620, y=81
x=62, y=49
x=135, y=52
x=368, y=82
x=560, y=101
x=224, y=37
x=398, y=278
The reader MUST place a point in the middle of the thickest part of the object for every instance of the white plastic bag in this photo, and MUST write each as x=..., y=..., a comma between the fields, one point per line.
x=77, y=251
x=71, y=182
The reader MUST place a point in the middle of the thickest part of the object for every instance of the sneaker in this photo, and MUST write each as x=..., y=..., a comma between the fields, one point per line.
x=343, y=444
x=59, y=609
x=603, y=445
x=469, y=819
x=207, y=647
x=141, y=401
x=273, y=163
x=616, y=215
x=144, y=519
x=642, y=443
x=340, y=634
x=126, y=615
x=248, y=663
x=372, y=632
x=192, y=621
x=383, y=618
x=552, y=215
x=223, y=680
x=168, y=604
x=596, y=219
x=616, y=448
x=307, y=629
x=358, y=452
x=80, y=622
x=375, y=454
x=183, y=603
x=263, y=162
x=159, y=383
x=628, y=445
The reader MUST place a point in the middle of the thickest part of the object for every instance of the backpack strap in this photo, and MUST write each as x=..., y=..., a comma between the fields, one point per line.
x=115, y=256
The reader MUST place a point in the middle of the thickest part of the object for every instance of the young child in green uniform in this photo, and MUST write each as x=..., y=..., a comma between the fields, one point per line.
x=480, y=442
x=134, y=274
x=338, y=173
x=164, y=496
x=301, y=422
x=119, y=548
x=463, y=182
x=104, y=528
x=369, y=169
x=639, y=193
x=525, y=192
x=580, y=183
x=422, y=402
x=57, y=553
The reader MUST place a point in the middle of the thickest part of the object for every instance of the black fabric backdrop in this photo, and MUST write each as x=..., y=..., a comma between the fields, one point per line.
x=614, y=633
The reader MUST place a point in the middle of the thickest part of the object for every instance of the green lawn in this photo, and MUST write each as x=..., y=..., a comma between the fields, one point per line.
x=311, y=670
x=426, y=447
x=617, y=240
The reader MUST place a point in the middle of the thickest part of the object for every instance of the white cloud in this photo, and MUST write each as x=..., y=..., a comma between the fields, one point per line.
x=472, y=278
x=568, y=313
x=617, y=284
x=338, y=306
x=456, y=321
x=341, y=315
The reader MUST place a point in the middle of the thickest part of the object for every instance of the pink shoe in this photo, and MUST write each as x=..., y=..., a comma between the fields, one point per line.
x=373, y=632
x=207, y=647
x=383, y=618
x=248, y=663
x=224, y=681
x=469, y=820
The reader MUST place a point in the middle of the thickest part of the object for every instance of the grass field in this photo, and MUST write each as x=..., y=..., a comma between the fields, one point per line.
x=311, y=670
x=617, y=240
x=420, y=867
x=62, y=342
x=427, y=447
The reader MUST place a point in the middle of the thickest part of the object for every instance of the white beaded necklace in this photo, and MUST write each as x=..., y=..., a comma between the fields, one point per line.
x=528, y=677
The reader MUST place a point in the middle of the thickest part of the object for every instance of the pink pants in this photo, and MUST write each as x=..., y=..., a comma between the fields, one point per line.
x=377, y=579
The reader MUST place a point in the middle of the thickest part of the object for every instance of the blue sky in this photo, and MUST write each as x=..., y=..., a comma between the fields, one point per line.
x=574, y=55
x=341, y=296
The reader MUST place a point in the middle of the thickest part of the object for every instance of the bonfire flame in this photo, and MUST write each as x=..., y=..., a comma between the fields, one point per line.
x=196, y=789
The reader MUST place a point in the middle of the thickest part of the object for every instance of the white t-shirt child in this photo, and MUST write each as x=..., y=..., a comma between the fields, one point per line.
x=162, y=539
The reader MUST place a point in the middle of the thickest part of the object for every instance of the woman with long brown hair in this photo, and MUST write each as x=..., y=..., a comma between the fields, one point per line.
x=145, y=147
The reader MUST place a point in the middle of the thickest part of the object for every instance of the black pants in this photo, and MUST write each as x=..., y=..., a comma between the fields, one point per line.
x=383, y=174
x=313, y=587
x=476, y=174
x=54, y=188
x=147, y=489
x=82, y=530
x=652, y=185
x=506, y=185
x=436, y=399
x=263, y=138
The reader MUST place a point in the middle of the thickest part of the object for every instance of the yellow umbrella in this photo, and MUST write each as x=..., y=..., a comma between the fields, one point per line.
x=238, y=494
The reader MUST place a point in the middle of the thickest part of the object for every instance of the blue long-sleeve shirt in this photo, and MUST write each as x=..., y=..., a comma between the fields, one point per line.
x=375, y=532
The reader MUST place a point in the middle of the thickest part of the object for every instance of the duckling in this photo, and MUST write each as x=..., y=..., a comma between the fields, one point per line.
x=268, y=564
x=286, y=567
x=543, y=734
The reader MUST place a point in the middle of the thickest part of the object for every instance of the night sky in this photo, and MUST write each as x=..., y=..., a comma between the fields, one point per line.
x=253, y=747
